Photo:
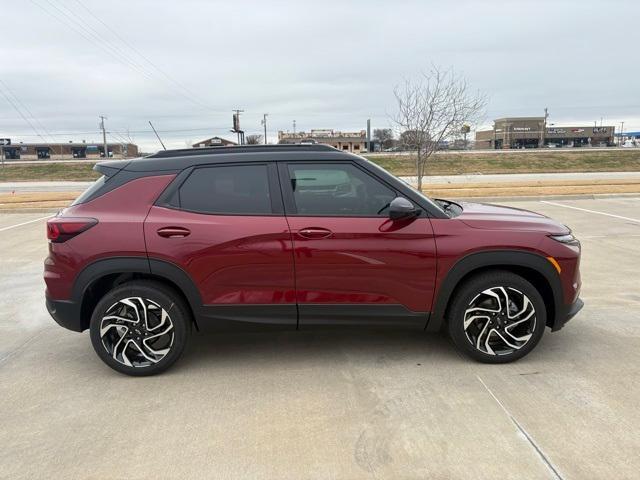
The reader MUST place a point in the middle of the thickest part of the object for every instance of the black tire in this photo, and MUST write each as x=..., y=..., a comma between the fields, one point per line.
x=474, y=341
x=122, y=305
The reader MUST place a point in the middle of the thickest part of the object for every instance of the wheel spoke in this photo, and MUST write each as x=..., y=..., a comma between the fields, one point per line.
x=137, y=332
x=501, y=330
x=469, y=320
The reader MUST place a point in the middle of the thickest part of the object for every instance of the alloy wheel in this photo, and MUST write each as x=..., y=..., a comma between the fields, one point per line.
x=499, y=320
x=137, y=332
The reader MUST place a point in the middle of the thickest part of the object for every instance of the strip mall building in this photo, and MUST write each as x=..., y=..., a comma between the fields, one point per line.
x=531, y=132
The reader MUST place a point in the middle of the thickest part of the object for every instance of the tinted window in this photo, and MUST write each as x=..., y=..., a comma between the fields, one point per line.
x=240, y=189
x=337, y=190
x=95, y=186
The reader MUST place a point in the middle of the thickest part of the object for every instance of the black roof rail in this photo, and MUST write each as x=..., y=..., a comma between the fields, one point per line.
x=184, y=152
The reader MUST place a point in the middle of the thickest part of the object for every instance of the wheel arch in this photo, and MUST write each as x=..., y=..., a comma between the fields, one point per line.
x=97, y=278
x=531, y=266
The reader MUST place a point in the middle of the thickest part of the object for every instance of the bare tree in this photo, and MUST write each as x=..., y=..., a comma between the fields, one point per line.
x=384, y=136
x=254, y=139
x=433, y=108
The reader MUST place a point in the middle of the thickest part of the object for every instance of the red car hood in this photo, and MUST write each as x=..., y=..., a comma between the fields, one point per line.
x=495, y=217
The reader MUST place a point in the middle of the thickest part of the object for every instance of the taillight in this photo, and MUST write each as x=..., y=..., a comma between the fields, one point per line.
x=61, y=229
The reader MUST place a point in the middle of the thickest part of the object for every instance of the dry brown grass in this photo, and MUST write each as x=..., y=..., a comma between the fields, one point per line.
x=518, y=189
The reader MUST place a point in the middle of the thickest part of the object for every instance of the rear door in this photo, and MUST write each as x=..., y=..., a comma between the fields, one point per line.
x=353, y=264
x=224, y=225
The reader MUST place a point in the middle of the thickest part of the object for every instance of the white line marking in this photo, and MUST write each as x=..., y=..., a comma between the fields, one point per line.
x=553, y=470
x=591, y=211
x=24, y=223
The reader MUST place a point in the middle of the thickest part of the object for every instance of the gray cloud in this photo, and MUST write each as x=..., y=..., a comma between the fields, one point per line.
x=325, y=64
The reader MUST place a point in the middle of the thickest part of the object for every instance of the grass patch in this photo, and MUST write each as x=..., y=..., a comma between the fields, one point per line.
x=450, y=163
x=48, y=172
x=443, y=163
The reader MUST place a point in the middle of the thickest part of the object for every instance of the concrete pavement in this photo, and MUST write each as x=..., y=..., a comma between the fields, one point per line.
x=339, y=405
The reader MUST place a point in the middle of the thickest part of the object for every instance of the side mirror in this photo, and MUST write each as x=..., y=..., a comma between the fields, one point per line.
x=400, y=208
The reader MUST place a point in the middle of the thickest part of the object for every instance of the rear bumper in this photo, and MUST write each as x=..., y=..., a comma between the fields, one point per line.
x=66, y=313
x=567, y=313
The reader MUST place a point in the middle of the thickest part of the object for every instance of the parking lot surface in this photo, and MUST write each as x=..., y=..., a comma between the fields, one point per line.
x=335, y=405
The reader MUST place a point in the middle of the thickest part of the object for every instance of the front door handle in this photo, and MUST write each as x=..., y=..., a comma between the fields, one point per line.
x=173, y=232
x=314, y=232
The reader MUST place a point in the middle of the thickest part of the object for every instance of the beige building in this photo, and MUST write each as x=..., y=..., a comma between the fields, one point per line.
x=531, y=132
x=54, y=151
x=354, y=142
x=214, y=142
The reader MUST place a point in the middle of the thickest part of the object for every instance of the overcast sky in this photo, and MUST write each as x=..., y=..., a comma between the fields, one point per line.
x=326, y=64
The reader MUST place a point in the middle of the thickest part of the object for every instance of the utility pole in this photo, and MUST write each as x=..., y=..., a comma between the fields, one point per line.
x=621, y=134
x=544, y=127
x=294, y=127
x=368, y=135
x=264, y=123
x=104, y=136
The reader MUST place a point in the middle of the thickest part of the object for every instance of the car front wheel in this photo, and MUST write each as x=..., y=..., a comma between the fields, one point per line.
x=497, y=317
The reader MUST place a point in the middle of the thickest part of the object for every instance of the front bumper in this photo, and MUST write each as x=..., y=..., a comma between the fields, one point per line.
x=66, y=313
x=566, y=314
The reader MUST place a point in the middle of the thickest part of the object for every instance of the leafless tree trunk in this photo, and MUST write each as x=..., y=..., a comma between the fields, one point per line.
x=433, y=108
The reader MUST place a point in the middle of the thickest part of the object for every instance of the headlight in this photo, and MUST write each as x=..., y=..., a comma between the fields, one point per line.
x=568, y=239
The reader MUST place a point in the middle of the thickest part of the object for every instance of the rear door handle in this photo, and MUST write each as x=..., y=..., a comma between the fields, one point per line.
x=314, y=232
x=173, y=232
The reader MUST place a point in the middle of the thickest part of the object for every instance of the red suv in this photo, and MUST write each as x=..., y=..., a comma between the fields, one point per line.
x=298, y=236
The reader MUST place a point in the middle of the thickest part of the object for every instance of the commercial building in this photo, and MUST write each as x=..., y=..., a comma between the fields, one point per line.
x=354, y=142
x=534, y=132
x=54, y=151
x=214, y=142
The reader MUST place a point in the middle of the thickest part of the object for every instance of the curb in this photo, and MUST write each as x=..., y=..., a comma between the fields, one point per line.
x=532, y=198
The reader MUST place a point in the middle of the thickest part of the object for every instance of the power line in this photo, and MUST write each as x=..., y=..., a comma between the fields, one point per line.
x=125, y=42
x=93, y=36
x=25, y=108
x=21, y=114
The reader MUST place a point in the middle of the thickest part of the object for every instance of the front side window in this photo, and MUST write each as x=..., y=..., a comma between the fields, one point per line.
x=230, y=189
x=337, y=190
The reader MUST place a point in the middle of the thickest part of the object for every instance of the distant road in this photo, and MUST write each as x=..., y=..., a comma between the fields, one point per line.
x=8, y=187
x=23, y=187
x=507, y=151
x=523, y=177
x=44, y=162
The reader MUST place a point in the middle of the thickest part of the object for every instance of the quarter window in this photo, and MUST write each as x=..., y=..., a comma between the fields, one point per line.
x=232, y=189
x=337, y=190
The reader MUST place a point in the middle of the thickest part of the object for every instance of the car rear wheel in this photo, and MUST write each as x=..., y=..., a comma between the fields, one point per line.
x=140, y=328
x=497, y=317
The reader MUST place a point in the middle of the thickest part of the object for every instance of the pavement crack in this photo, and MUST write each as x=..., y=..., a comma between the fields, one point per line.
x=10, y=354
x=554, y=471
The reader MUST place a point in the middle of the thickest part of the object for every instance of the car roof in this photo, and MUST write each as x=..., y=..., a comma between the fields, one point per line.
x=175, y=160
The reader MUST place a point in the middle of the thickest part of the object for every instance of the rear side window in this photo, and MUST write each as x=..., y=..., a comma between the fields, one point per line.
x=95, y=186
x=231, y=190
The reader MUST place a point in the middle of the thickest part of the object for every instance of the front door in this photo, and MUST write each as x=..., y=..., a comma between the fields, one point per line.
x=353, y=264
x=225, y=227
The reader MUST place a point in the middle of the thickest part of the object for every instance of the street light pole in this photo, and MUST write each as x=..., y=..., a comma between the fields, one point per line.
x=264, y=123
x=104, y=136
